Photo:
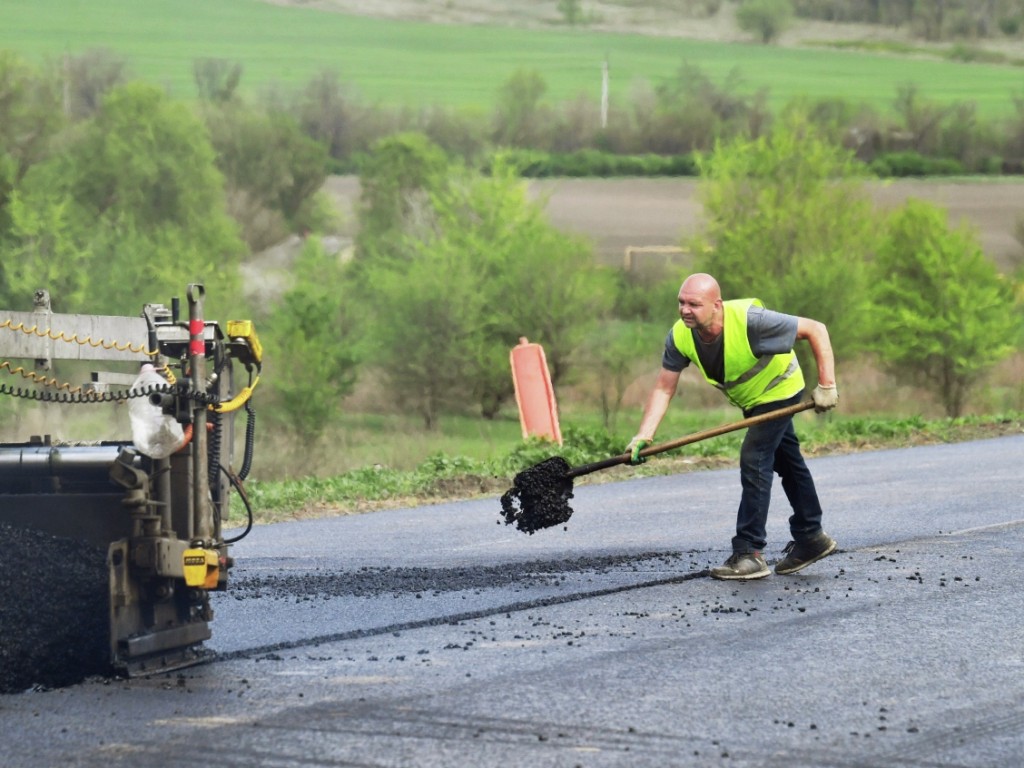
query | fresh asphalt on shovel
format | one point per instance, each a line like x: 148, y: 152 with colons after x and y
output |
x: 539, y: 496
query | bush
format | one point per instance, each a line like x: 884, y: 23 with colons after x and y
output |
x: 991, y: 166
x: 974, y: 54
x: 765, y: 18
x: 944, y: 314
x: 580, y: 445
x: 594, y: 163
x: 1010, y: 25
x: 903, y: 164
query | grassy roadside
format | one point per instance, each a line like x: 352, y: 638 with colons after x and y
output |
x: 445, y: 478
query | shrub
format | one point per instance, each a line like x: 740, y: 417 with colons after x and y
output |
x: 765, y: 18
x: 974, y: 54
x: 535, y: 164
x: 580, y: 445
x: 943, y: 314
x: 903, y: 164
x: 1010, y: 25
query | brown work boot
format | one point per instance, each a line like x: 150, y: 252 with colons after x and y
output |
x: 800, y: 554
x: 742, y: 565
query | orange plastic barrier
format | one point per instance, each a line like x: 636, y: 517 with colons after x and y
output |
x: 538, y: 411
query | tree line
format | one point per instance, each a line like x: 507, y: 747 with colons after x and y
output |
x: 929, y: 20
x: 140, y: 194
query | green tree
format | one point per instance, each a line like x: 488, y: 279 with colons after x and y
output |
x: 765, y: 18
x: 47, y: 247
x: 216, y: 80
x: 788, y: 221
x: 396, y: 180
x: 253, y: 171
x: 30, y: 115
x: 136, y: 196
x: 473, y: 266
x: 520, y: 117
x: 571, y: 10
x: 922, y: 119
x: 929, y: 18
x: 425, y: 329
x: 618, y: 351
x: 88, y: 78
x: 537, y: 282
x: 692, y: 111
x: 326, y: 112
x: 273, y: 171
x: 310, y: 337
x: 34, y: 248
x: 942, y: 314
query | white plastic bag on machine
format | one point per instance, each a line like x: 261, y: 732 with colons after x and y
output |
x: 154, y: 433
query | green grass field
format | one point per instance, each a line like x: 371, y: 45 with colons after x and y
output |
x: 398, y: 63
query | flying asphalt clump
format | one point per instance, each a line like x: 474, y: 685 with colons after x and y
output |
x: 539, y: 496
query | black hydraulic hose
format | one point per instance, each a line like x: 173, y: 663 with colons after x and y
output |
x: 248, y: 507
x: 213, y: 446
x: 250, y: 441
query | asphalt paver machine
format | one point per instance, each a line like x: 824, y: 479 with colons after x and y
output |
x: 154, y: 501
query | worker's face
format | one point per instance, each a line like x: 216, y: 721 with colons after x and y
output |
x: 697, y: 308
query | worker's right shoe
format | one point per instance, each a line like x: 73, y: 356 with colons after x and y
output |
x: 800, y: 554
x: 742, y: 565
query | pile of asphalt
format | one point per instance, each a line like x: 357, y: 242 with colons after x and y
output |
x: 539, y: 496
x: 53, y: 611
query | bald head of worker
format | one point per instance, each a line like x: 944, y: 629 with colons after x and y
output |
x: 700, y: 305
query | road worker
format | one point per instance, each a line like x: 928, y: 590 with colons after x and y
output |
x: 746, y: 351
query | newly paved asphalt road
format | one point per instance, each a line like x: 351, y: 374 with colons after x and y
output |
x: 436, y: 637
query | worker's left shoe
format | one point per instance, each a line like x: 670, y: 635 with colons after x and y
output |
x: 742, y: 565
x: 800, y: 554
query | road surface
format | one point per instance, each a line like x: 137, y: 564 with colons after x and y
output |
x: 436, y: 636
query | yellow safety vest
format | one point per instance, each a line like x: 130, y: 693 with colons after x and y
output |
x: 749, y: 380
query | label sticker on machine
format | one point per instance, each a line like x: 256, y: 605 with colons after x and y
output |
x: 201, y: 568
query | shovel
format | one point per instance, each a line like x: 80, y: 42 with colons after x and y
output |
x: 539, y: 496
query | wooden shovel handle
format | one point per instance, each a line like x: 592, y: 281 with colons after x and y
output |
x: 696, y: 437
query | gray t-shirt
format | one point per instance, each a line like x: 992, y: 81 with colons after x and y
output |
x: 769, y: 333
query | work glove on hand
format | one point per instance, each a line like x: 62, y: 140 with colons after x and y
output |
x: 636, y: 445
x: 825, y: 398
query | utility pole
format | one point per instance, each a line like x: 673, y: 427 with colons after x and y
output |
x: 65, y: 86
x: 604, y: 93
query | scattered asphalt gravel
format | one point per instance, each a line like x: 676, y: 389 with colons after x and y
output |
x: 375, y: 581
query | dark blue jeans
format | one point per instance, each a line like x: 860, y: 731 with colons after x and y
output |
x: 773, y: 448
